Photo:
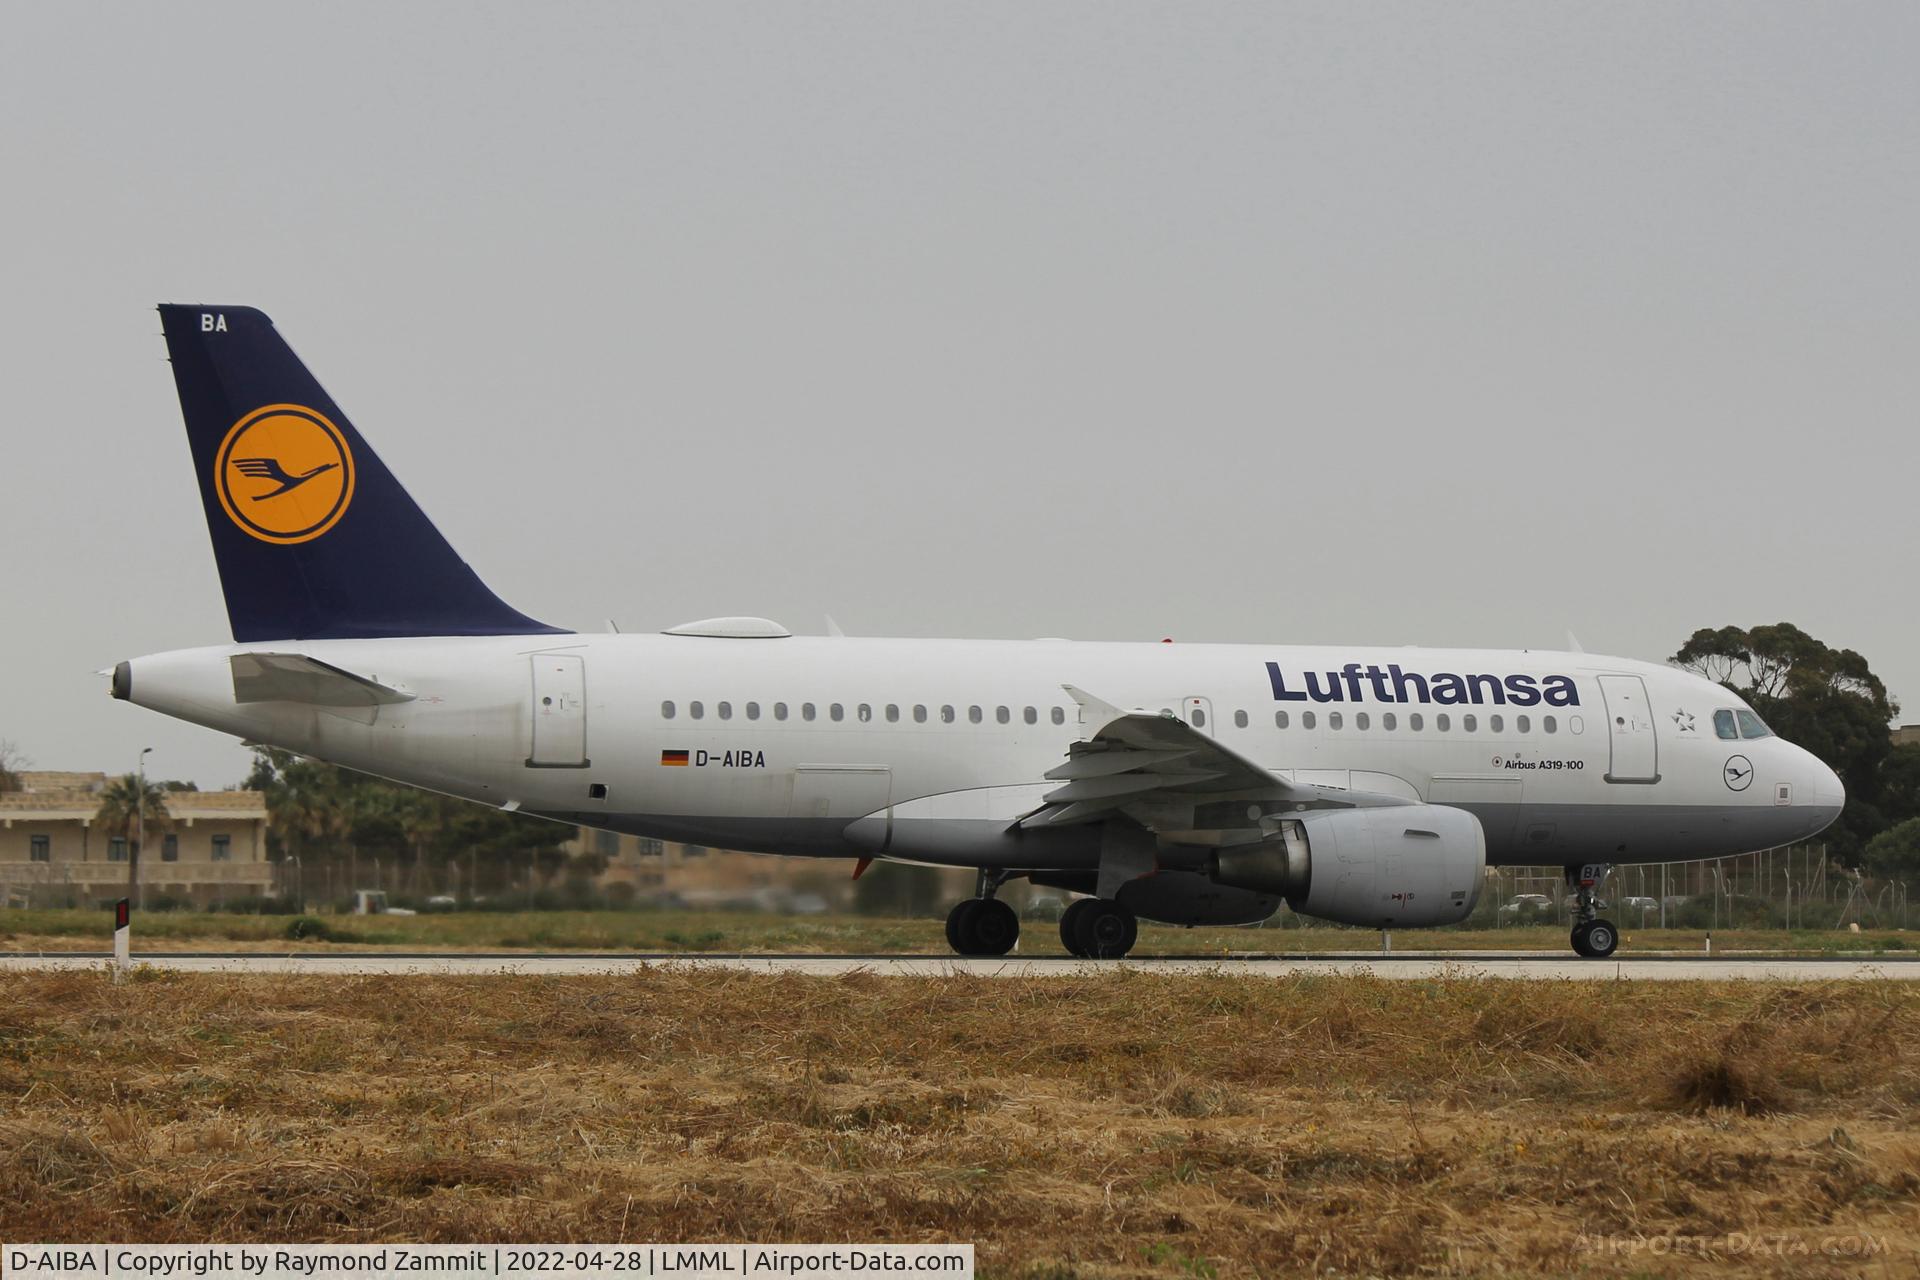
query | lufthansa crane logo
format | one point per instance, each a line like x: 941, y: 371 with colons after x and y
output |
x: 284, y: 474
x: 1738, y: 772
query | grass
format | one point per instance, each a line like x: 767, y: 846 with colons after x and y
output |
x: 1126, y: 1124
x: 698, y: 931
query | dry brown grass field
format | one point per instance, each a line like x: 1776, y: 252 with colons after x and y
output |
x: 1120, y: 1124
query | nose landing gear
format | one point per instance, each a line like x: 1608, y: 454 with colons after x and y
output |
x: 1593, y: 937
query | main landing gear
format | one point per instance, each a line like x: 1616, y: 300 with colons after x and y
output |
x: 1593, y: 937
x: 983, y: 926
x: 1098, y: 929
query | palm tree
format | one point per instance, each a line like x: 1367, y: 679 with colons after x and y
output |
x: 120, y: 812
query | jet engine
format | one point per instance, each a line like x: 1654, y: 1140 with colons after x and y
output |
x: 1410, y: 865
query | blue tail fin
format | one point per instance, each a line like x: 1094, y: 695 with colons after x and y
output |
x: 314, y: 537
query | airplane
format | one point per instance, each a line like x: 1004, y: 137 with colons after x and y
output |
x: 1182, y: 783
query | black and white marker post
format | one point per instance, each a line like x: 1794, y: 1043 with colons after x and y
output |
x: 122, y: 937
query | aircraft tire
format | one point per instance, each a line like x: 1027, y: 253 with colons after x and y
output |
x: 1579, y: 939
x: 958, y: 921
x: 1070, y: 926
x: 1602, y: 939
x: 991, y: 930
x: 1106, y: 930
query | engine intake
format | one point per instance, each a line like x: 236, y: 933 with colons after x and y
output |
x: 1407, y: 865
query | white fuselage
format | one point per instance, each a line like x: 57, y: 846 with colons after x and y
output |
x: 928, y: 750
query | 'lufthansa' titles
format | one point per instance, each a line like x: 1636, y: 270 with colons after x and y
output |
x: 1354, y: 683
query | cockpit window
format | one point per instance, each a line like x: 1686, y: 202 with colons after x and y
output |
x: 1724, y: 726
x: 1752, y: 726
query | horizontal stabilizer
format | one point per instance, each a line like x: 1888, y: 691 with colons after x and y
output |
x: 294, y: 677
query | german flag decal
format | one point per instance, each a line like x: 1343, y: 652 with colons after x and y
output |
x: 674, y: 758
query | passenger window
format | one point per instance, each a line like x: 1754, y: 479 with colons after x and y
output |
x: 1495, y: 723
x: 865, y: 712
x: 919, y: 713
x: 1576, y: 724
x: 1239, y: 719
x: 1387, y: 721
x: 1752, y: 726
x: 893, y: 713
x: 753, y: 711
x: 696, y: 709
x: 1334, y: 719
x: 724, y: 710
x: 806, y: 711
x: 779, y: 711
x: 1523, y: 724
x: 946, y: 714
x: 1547, y: 723
x: 1443, y: 722
x: 1002, y: 715
x: 1416, y: 722
x: 1059, y: 715
x: 1280, y: 720
x: 1469, y: 723
x: 1360, y: 720
x: 666, y: 711
x: 1724, y: 727
x: 1306, y: 719
x: 837, y: 712
x: 973, y: 715
x: 1199, y: 718
x: 1030, y: 715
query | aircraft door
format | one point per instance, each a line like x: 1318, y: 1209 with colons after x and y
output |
x: 1198, y: 712
x: 559, y: 712
x: 1636, y: 749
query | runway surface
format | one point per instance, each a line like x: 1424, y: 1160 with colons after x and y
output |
x: 1406, y: 965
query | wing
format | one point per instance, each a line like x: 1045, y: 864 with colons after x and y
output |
x: 260, y: 468
x: 1181, y: 784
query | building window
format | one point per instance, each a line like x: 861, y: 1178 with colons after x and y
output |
x: 666, y: 710
x: 117, y: 849
x: 693, y: 851
x: 1279, y: 719
x: 223, y: 848
x: 606, y: 843
x: 650, y: 848
x: 40, y: 848
x: 170, y: 848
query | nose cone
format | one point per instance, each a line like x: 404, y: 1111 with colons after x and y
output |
x: 1825, y: 795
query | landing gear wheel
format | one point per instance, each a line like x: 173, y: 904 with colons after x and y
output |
x: 982, y: 927
x: 1580, y: 938
x: 1070, y: 926
x: 1602, y: 939
x: 1106, y: 930
x: 958, y: 921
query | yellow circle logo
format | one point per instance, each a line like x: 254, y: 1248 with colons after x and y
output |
x: 284, y: 474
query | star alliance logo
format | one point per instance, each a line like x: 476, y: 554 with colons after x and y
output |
x: 1685, y: 720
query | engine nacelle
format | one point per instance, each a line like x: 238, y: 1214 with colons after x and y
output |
x: 1410, y: 865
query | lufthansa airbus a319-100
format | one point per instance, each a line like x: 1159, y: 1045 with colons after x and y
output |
x: 1183, y: 783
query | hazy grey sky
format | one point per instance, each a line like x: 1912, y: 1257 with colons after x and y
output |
x: 1442, y: 324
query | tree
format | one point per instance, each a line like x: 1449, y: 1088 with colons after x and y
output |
x: 1894, y: 854
x: 12, y: 762
x: 1826, y: 700
x: 121, y: 812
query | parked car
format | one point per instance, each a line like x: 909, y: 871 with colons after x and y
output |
x: 443, y: 902
x: 1525, y: 908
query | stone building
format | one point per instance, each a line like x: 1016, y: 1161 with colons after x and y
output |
x: 52, y: 853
